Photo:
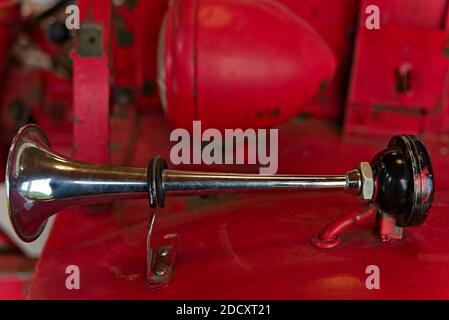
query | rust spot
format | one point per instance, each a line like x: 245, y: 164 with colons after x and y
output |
x: 399, y: 109
x: 149, y: 88
x: 120, y: 275
x: 446, y: 52
x: 132, y: 4
x: 56, y: 112
x: 275, y: 112
x: 323, y: 86
x: 125, y: 37
x: 303, y: 116
x: 114, y: 147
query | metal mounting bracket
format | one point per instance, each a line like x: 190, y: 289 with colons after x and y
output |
x: 160, y: 261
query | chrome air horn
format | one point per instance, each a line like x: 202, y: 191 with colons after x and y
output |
x: 40, y: 183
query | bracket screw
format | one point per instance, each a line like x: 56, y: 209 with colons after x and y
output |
x: 163, y: 252
x: 160, y: 270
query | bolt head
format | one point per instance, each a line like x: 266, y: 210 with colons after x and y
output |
x: 366, y: 174
x: 160, y: 271
x: 164, y: 252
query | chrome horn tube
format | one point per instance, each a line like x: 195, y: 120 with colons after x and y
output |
x: 41, y: 183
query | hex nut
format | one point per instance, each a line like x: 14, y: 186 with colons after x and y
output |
x: 367, y: 177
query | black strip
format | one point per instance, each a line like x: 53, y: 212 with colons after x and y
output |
x: 156, y: 193
x: 161, y: 165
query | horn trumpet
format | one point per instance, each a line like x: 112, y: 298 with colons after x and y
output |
x: 41, y: 183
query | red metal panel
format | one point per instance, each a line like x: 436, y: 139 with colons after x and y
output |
x: 147, y: 21
x: 9, y: 23
x: 135, y: 29
x: 335, y: 22
x: 92, y: 89
x: 12, y: 287
x: 9, y: 12
x: 374, y: 103
x: 123, y: 45
x: 41, y: 96
x: 15, y: 275
x: 409, y: 49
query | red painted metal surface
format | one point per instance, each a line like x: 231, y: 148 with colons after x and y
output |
x: 39, y: 96
x: 235, y: 56
x: 410, y: 47
x: 147, y: 23
x: 335, y: 22
x: 13, y: 287
x: 375, y: 103
x: 30, y: 92
x: 91, y: 85
x: 135, y: 33
x: 251, y: 246
x: 15, y: 275
x: 9, y: 13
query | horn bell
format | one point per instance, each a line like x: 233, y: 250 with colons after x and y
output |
x: 27, y: 219
x: 40, y: 183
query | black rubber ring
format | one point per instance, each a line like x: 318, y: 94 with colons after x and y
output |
x: 156, y: 193
x: 161, y: 165
x: 152, y: 193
